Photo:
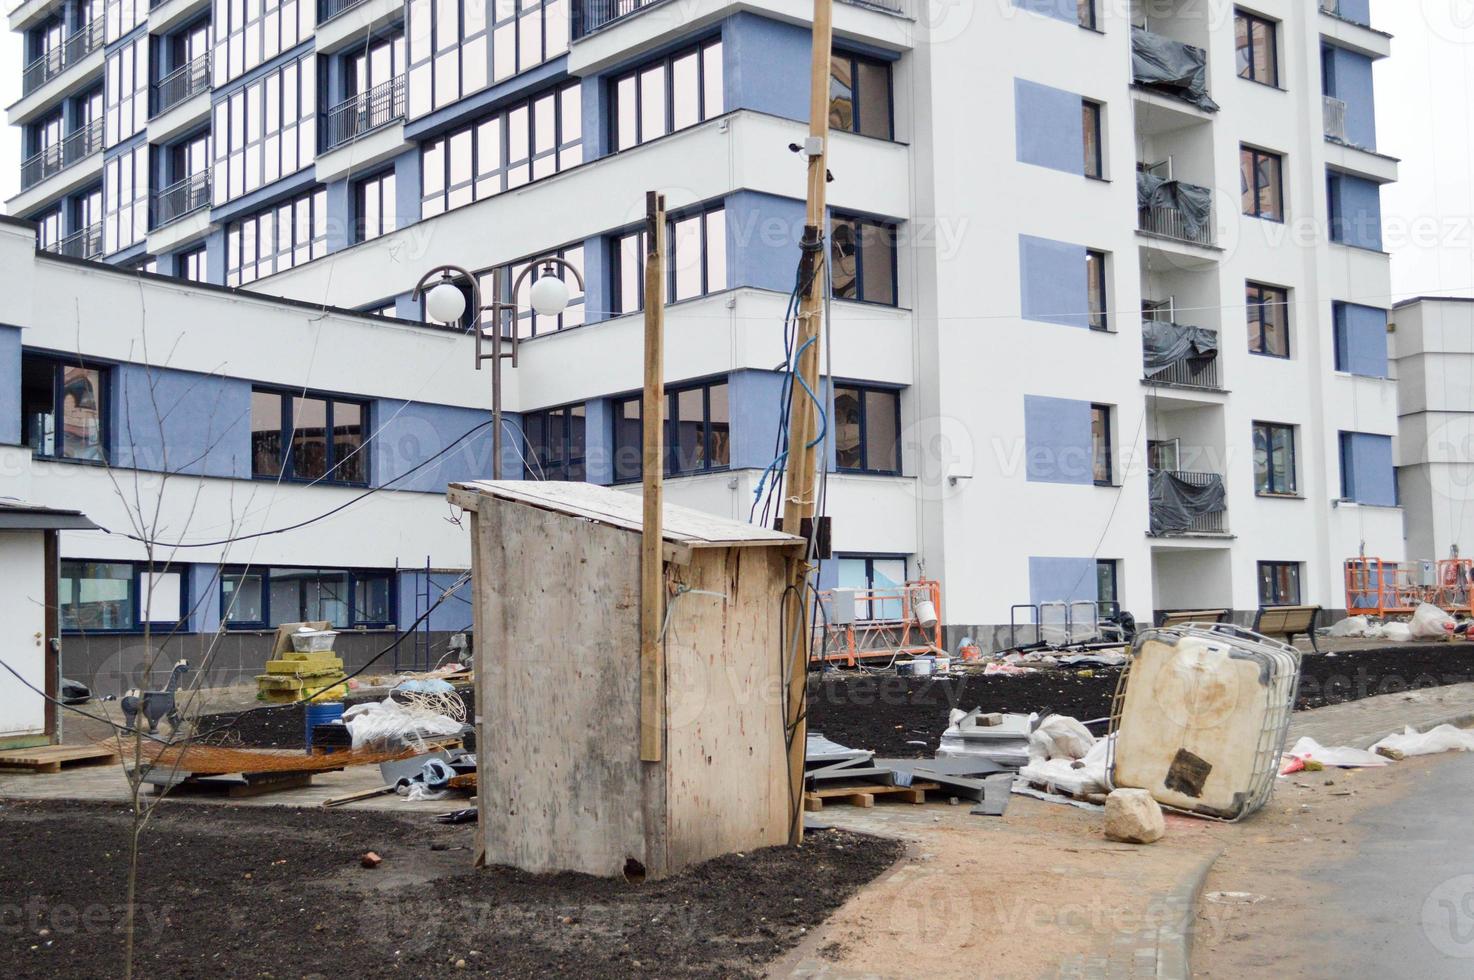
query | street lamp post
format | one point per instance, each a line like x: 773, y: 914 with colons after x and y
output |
x: 446, y: 303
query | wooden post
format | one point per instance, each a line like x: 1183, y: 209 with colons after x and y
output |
x: 799, y: 501
x: 652, y: 418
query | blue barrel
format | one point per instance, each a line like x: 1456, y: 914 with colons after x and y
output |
x: 321, y: 713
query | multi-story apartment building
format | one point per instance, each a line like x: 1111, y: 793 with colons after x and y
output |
x: 1107, y: 277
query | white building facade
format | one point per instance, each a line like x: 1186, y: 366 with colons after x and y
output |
x: 994, y: 424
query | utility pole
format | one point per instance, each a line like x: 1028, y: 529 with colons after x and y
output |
x: 799, y: 500
x: 652, y: 417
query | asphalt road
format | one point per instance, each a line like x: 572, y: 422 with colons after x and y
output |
x: 1402, y: 905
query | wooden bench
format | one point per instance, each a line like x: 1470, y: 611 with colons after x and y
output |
x: 1182, y: 617
x: 1287, y: 621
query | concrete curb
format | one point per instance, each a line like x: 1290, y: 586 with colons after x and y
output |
x: 1174, y: 939
x: 1464, y: 719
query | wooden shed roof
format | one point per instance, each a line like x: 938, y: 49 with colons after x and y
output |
x: 618, y: 508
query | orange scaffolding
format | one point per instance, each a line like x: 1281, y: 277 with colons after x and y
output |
x: 1377, y: 587
x: 885, y: 624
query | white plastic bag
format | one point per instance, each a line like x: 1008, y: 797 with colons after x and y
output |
x: 1336, y: 757
x: 389, y: 723
x: 1397, y: 632
x: 1080, y: 777
x: 1350, y: 626
x: 1444, y: 738
x: 1060, y: 737
x: 1430, y: 623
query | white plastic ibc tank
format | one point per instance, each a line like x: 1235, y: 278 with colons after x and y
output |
x: 1200, y: 718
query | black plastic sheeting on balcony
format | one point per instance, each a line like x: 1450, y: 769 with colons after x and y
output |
x: 1172, y: 67
x: 1194, y: 203
x: 1165, y: 345
x: 1180, y: 501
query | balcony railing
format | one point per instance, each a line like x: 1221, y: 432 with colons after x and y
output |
x: 180, y: 198
x: 1331, y: 7
x: 1335, y: 118
x: 328, y: 9
x: 59, y: 156
x: 1207, y: 515
x: 84, y: 244
x: 365, y: 112
x: 1174, y: 223
x: 182, y: 83
x: 590, y: 15
x: 62, y: 57
x: 1190, y: 372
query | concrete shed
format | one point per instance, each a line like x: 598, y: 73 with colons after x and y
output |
x: 30, y: 634
x: 557, y: 606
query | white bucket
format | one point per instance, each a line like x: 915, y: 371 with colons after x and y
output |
x: 942, y: 664
x: 919, y: 667
x: 926, y: 614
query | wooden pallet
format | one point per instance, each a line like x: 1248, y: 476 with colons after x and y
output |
x: 864, y: 794
x: 51, y: 758
x: 234, y: 785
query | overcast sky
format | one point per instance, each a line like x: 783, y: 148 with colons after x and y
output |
x: 1429, y: 214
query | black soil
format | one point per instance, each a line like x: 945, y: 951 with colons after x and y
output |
x: 279, y: 892
x: 905, y: 716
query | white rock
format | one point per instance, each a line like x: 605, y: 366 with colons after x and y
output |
x: 1132, y: 816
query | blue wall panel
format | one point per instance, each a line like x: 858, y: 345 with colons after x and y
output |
x: 410, y: 433
x: 340, y: 214
x: 1349, y: 77
x: 1356, y: 210
x: 1361, y: 340
x: 1057, y: 440
x: 755, y: 400
x: 765, y: 66
x: 1359, y: 11
x: 598, y: 453
x: 1367, y: 473
x: 1061, y: 579
x: 763, y: 233
x: 180, y: 421
x: 1058, y: 9
x: 1052, y: 282
x: 407, y: 188
x: 596, y: 279
x: 9, y: 385
x: 1048, y: 128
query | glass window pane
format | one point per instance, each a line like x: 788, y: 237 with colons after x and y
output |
x: 625, y: 113
x: 160, y: 596
x: 881, y: 435
x: 652, y: 103
x: 719, y: 424
x: 873, y: 79
x: 309, y: 438
x: 843, y: 258
x: 628, y: 440
x: 689, y: 427
x: 266, y: 426
x: 241, y: 597
x: 716, y: 250
x: 686, y: 257
x: 713, y: 102
x: 685, y: 91
x: 81, y: 413
x: 1246, y: 181
x: 849, y: 453
x: 1100, y: 443
x: 95, y: 595
x: 631, y: 273
x: 877, y: 265
x: 348, y: 458
x: 841, y: 93
x: 371, y: 600
x: 285, y: 592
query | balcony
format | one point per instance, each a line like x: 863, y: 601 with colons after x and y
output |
x: 364, y: 113
x: 592, y: 15
x: 1179, y: 355
x: 1184, y: 504
x: 1174, y: 209
x: 181, y: 84
x: 84, y: 244
x: 180, y: 198
x: 1163, y: 65
x: 59, y: 156
x: 1334, y: 113
x: 328, y: 9
x: 59, y: 59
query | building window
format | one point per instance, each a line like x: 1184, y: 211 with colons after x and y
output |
x: 1257, y: 41
x: 1095, y: 286
x: 311, y: 437
x: 696, y: 260
x: 1090, y: 117
x: 457, y: 47
x: 1268, y: 311
x: 265, y: 130
x: 555, y: 443
x: 344, y: 598
x: 1259, y: 173
x: 62, y: 409
x: 374, y: 206
x: 191, y: 266
x: 1274, y: 459
x: 860, y: 95
x: 868, y: 576
x: 529, y: 141
x: 249, y: 33
x: 698, y: 429
x: 276, y: 238
x: 1085, y: 11
x: 1108, y: 586
x: 867, y: 429
x: 96, y: 596
x: 863, y: 260
x: 529, y: 323
x: 666, y: 95
x: 126, y: 91
x: 48, y: 228
x: 125, y: 193
x: 1100, y: 445
x: 1279, y: 583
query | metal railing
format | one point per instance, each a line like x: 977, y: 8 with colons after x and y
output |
x: 1331, y: 7
x: 1214, y: 522
x: 84, y: 244
x: 63, y: 56
x: 590, y: 15
x: 1334, y: 112
x: 364, y: 112
x: 180, y: 198
x: 1192, y: 372
x: 182, y: 83
x: 1173, y: 223
x: 59, y: 156
x: 328, y: 9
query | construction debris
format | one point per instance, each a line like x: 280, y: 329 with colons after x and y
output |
x: 1444, y: 738
x: 1005, y: 743
x: 1132, y: 816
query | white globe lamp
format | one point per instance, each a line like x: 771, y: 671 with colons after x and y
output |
x: 445, y: 303
x: 549, y: 295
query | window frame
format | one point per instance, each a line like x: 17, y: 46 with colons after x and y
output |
x: 57, y: 365
x: 666, y: 64
x: 198, y: 258
x: 671, y: 421
x: 296, y: 251
x: 710, y: 283
x: 865, y: 609
x: 1267, y: 431
x: 1092, y: 117
x: 354, y: 577
x: 855, y: 60
x: 1271, y: 29
x: 862, y: 391
x: 1098, y: 319
x: 286, y: 467
x: 384, y: 185
x: 530, y: 323
x: 1086, y: 15
x: 1108, y: 568
x: 566, y: 463
x: 1258, y: 157
x: 858, y: 222
x: 1104, y: 412
x: 1275, y: 569
x: 135, y: 598
x: 1264, y: 297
